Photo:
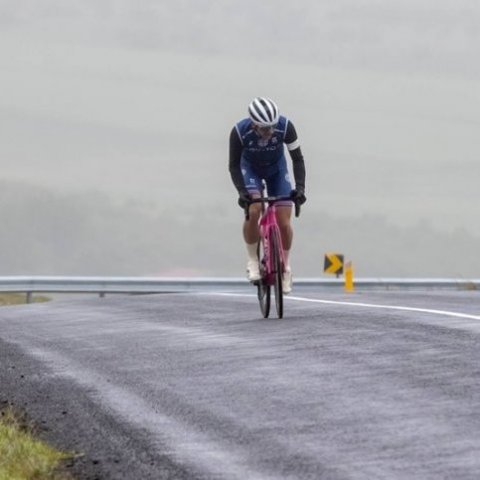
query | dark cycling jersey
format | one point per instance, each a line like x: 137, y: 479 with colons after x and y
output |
x: 264, y: 156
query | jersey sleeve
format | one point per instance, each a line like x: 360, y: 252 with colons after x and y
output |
x: 291, y: 138
x: 293, y: 146
x: 234, y: 160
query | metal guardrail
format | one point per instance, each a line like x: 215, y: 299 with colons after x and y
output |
x: 143, y: 285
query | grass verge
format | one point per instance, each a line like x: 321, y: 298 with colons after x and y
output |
x: 19, y: 298
x: 22, y: 456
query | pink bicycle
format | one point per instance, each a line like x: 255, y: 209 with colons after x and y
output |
x: 270, y: 254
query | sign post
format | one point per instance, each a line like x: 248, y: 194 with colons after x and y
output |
x: 349, y: 278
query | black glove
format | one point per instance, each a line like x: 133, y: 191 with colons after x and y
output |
x: 244, y: 199
x: 298, y: 195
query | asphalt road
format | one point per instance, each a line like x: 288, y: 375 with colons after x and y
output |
x: 373, y: 385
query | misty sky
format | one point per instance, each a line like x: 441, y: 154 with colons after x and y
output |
x: 136, y: 100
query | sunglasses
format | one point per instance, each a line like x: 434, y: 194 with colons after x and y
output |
x: 266, y: 129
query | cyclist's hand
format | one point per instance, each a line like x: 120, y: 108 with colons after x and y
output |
x: 298, y: 195
x: 244, y: 199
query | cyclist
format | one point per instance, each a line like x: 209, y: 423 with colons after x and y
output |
x: 256, y: 154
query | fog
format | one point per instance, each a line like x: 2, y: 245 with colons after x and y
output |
x: 115, y: 116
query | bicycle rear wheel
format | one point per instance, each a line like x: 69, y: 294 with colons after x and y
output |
x: 277, y: 265
x: 264, y: 298
x: 263, y: 291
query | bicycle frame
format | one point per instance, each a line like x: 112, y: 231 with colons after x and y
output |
x: 268, y: 230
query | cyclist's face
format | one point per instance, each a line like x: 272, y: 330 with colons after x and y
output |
x: 264, y: 132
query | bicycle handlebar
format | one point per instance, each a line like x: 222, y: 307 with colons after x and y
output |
x: 270, y: 201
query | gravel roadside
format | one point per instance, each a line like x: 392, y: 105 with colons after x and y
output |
x: 66, y: 417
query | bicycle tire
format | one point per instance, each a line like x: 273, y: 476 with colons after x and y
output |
x: 263, y: 290
x: 277, y: 265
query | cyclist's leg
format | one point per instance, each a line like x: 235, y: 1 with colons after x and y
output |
x: 284, y: 215
x: 253, y: 183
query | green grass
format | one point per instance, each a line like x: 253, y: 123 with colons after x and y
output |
x: 19, y: 298
x: 22, y: 457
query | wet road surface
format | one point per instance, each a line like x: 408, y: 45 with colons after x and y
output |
x: 362, y: 386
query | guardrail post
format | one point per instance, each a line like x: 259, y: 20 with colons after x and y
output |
x: 29, y: 297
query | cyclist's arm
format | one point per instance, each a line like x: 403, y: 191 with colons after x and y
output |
x: 236, y: 148
x: 293, y: 146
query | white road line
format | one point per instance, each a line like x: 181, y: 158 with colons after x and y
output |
x: 391, y: 307
x: 367, y: 305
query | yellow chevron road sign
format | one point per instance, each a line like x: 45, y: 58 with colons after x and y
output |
x: 333, y: 263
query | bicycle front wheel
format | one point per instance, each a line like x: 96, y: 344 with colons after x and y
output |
x: 263, y: 291
x: 277, y: 265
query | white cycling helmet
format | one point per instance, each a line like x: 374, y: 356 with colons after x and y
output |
x: 263, y: 112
